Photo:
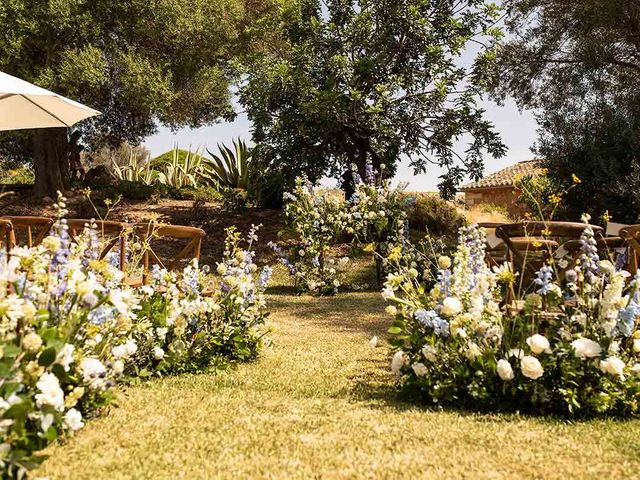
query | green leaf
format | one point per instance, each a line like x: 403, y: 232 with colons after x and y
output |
x: 47, y: 357
x: 394, y: 330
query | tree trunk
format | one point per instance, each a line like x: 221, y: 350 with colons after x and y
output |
x: 50, y: 161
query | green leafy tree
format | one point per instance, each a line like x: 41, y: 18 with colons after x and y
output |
x: 577, y: 64
x: 141, y: 63
x: 359, y: 80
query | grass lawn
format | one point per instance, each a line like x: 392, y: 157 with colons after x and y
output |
x: 319, y: 404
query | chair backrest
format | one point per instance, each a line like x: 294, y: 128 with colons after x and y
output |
x: 112, y: 233
x: 148, y: 232
x: 549, y: 234
x: 32, y: 229
x: 631, y: 235
x: 7, y: 235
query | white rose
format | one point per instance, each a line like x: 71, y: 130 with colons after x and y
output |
x: 429, y: 352
x: 158, y: 353
x: 635, y: 369
x: 531, y: 368
x: 538, y: 344
x: 636, y: 345
x: 451, y: 306
x: 613, y: 366
x: 504, y: 370
x: 586, y: 348
x: 419, y: 369
x: 398, y: 361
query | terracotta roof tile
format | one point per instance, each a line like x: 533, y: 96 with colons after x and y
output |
x: 506, y: 177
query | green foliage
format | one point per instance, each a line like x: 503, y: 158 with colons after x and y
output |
x: 140, y: 63
x: 18, y: 174
x: 231, y: 168
x: 373, y: 80
x: 576, y: 63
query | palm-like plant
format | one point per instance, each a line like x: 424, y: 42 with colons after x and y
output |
x: 230, y: 169
x: 183, y: 170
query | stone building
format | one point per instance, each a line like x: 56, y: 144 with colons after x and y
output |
x: 499, y: 188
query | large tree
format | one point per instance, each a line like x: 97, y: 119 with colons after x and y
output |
x: 140, y: 62
x: 371, y: 80
x: 577, y: 64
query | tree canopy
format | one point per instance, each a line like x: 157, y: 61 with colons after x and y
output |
x: 577, y: 63
x: 373, y: 80
x: 140, y: 62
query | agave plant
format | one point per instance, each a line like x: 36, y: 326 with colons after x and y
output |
x: 136, y: 170
x: 230, y: 169
x: 184, y: 170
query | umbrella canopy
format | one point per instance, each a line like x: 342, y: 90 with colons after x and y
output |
x: 24, y: 105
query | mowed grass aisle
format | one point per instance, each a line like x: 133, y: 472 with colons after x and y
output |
x: 318, y: 404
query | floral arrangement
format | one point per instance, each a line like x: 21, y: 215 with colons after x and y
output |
x: 317, y: 221
x: 70, y: 329
x: 570, y: 345
x: 375, y: 218
x: 378, y: 216
x: 190, y: 320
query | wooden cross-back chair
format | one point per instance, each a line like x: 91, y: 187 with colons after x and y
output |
x: 30, y: 229
x: 111, y: 233
x: 530, y: 244
x: 7, y: 235
x: 631, y: 235
x: 149, y: 232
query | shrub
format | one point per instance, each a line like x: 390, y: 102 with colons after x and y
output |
x: 569, y: 346
x: 437, y: 216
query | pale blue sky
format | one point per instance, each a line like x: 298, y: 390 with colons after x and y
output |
x: 518, y: 131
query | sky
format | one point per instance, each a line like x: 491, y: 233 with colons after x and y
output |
x: 517, y: 129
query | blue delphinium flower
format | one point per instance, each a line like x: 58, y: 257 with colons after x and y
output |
x: 589, y: 258
x: 627, y: 319
x: 543, y: 280
x: 444, y: 279
x: 265, y: 276
x: 369, y: 174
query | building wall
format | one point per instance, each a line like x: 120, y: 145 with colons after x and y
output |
x: 506, y: 197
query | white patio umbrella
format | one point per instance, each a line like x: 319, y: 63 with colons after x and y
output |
x: 24, y: 106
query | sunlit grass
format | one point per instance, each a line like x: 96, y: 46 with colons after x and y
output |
x: 320, y: 404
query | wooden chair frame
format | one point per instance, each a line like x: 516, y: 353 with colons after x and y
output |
x: 105, y: 227
x: 7, y: 234
x: 150, y: 231
x: 28, y: 224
